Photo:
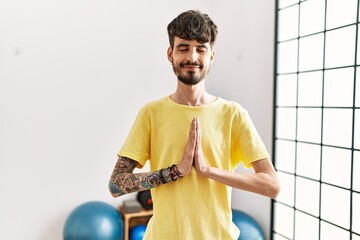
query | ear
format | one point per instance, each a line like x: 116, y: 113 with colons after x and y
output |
x: 212, y: 55
x: 169, y: 54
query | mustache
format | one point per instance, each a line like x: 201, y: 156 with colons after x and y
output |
x: 188, y: 63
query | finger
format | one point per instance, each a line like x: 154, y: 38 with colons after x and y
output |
x: 192, y: 135
x: 192, y: 127
x: 194, y: 124
x: 197, y: 122
x: 198, y: 129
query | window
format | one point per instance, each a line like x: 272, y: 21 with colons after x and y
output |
x: 317, y: 120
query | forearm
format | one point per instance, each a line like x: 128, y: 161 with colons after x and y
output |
x: 259, y: 182
x: 124, y: 181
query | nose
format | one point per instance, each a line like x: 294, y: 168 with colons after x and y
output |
x: 193, y: 56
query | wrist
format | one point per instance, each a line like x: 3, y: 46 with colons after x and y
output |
x: 184, y: 170
x: 165, y: 175
x: 177, y: 171
x: 205, y: 171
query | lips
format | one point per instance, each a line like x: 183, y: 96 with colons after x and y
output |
x: 190, y: 65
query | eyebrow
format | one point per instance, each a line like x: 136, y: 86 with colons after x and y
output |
x: 182, y: 45
x: 187, y: 45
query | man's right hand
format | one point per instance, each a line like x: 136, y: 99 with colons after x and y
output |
x: 187, y: 160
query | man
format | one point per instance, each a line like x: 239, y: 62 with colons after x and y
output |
x: 194, y: 141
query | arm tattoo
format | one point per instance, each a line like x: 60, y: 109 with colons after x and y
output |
x: 124, y: 181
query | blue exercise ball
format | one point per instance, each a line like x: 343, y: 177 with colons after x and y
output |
x: 137, y: 232
x: 249, y: 228
x: 94, y: 221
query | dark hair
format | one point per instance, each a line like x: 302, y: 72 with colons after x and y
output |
x: 192, y: 25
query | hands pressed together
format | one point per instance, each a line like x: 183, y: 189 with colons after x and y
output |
x: 193, y: 155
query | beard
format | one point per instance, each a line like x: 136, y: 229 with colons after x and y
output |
x: 190, y: 77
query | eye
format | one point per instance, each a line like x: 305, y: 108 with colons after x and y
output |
x: 201, y: 49
x: 183, y: 49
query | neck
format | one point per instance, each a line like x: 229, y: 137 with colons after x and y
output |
x: 192, y: 95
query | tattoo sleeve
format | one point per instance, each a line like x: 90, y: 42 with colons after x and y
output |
x: 124, y: 181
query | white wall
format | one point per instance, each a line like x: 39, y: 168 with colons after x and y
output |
x: 73, y: 75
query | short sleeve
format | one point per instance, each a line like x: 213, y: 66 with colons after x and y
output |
x: 137, y: 144
x: 247, y: 146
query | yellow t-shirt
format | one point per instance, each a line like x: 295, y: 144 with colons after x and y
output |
x: 193, y: 207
